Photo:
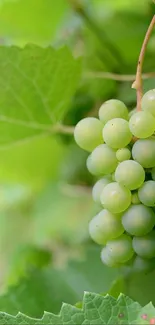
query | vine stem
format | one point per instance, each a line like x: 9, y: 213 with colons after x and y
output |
x: 116, y: 76
x: 63, y: 129
x: 138, y: 84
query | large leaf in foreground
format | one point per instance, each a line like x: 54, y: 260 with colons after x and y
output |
x: 36, y: 87
x: 96, y: 310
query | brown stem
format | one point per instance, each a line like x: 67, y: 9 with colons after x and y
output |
x: 138, y: 84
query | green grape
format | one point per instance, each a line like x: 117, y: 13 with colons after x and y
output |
x: 133, y: 111
x: 142, y: 124
x: 111, y: 109
x: 106, y: 259
x: 105, y: 226
x: 116, y: 133
x: 123, y: 154
x: 148, y: 102
x: 145, y: 246
x: 120, y: 249
x: 138, y: 220
x: 88, y: 133
x: 146, y: 193
x: 102, y: 160
x: 130, y: 174
x: 135, y: 198
x: 127, y: 267
x: 115, y: 197
x: 143, y: 151
x: 90, y: 166
x: 143, y: 265
x: 153, y: 173
x: 98, y: 188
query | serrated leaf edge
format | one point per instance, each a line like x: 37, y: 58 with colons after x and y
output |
x: 64, y: 305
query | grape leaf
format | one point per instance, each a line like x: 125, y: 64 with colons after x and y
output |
x: 26, y: 258
x: 136, y: 286
x: 32, y: 163
x: 66, y: 215
x: 38, y: 289
x: 36, y: 87
x: 96, y: 310
x: 139, y: 287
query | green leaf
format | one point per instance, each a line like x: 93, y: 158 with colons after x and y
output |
x: 46, y: 289
x: 33, y: 163
x: 66, y: 214
x: 96, y: 310
x: 30, y: 21
x: 117, y: 286
x: 139, y: 287
x: 36, y: 87
x: 26, y: 258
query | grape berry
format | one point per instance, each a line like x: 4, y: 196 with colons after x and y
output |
x: 125, y: 189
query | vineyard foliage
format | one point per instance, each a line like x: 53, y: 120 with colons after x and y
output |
x: 59, y: 61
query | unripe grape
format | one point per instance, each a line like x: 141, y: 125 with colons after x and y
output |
x: 123, y: 154
x: 88, y: 133
x: 127, y: 267
x: 138, y: 220
x: 120, y: 249
x: 143, y: 151
x: 146, y: 193
x: 148, y: 102
x: 106, y: 259
x: 98, y: 188
x: 105, y: 226
x: 143, y: 265
x: 142, y: 124
x: 133, y: 111
x: 116, y: 133
x: 111, y: 109
x: 102, y: 160
x: 130, y: 174
x: 115, y: 197
x: 145, y: 246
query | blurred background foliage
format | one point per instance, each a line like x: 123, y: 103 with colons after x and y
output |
x: 45, y: 189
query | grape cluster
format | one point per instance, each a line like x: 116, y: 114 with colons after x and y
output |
x: 122, y: 156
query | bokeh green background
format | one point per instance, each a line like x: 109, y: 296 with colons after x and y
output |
x: 45, y: 189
